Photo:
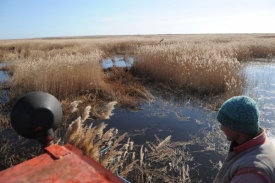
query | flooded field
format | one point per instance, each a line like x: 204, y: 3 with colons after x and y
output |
x: 169, y: 115
x: 185, y: 120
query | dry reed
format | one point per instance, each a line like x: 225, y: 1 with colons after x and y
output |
x: 92, y: 140
x: 61, y: 75
x: 202, y: 68
x: 164, y: 161
x: 70, y: 69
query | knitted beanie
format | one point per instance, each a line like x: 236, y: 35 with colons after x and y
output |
x: 240, y: 114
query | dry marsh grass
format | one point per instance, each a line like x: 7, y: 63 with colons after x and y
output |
x: 204, y: 68
x: 92, y: 140
x: 70, y: 69
x: 202, y: 65
x: 62, y: 76
x: 200, y: 69
x: 133, y: 91
x: 161, y: 161
x: 67, y: 69
x: 4, y: 120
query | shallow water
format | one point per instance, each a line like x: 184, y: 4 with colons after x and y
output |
x: 178, y: 118
x: 4, y: 76
x: 261, y: 87
x: 117, y: 61
x: 182, y: 119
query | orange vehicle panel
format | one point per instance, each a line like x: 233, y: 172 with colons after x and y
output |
x: 57, y: 165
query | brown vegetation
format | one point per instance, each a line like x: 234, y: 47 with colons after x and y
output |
x: 162, y: 161
x: 204, y: 66
x: 70, y: 68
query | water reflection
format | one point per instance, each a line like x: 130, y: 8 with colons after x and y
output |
x: 261, y: 86
x: 4, y: 76
x: 117, y: 61
x: 162, y: 119
x: 171, y: 116
x: 183, y: 119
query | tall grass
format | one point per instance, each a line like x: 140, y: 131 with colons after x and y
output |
x: 162, y: 161
x: 203, y: 65
x: 60, y: 75
x: 200, y: 68
x: 70, y: 69
x: 93, y: 141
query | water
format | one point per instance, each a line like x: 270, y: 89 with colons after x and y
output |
x: 4, y: 76
x: 181, y: 121
x: 179, y: 118
x: 117, y: 61
x: 184, y: 119
x: 162, y: 119
x: 261, y: 87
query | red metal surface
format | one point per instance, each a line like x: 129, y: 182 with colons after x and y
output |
x: 59, y: 164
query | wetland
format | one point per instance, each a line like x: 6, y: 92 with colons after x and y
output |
x: 167, y: 95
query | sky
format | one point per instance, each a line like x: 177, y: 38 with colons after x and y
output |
x: 20, y: 19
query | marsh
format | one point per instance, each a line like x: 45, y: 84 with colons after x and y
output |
x: 170, y: 91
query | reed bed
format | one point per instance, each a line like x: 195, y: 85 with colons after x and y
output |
x: 203, y: 69
x: 58, y: 74
x: 92, y: 140
x: 202, y: 65
x: 70, y: 69
x: 162, y: 161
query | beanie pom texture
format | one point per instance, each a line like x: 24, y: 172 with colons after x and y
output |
x: 240, y: 114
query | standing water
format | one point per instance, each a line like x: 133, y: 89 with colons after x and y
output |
x: 4, y: 76
x: 183, y: 119
x: 261, y: 87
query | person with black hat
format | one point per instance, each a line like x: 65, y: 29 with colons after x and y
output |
x: 251, y: 156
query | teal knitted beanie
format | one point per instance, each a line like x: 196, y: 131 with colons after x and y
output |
x: 240, y: 114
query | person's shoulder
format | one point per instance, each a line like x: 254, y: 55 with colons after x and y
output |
x: 250, y: 176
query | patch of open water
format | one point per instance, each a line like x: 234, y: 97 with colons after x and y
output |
x: 182, y: 119
x: 163, y: 118
x: 117, y: 61
x: 166, y: 117
x: 261, y: 86
x: 3, y: 77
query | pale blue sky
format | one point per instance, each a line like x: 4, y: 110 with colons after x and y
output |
x: 53, y: 18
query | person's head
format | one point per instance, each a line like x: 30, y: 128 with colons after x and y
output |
x: 239, y: 115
